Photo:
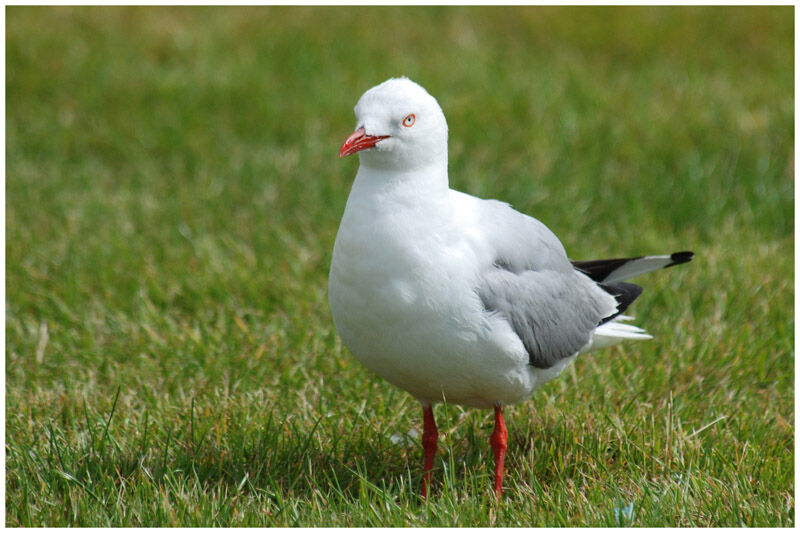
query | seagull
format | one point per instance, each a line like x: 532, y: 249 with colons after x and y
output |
x: 456, y: 298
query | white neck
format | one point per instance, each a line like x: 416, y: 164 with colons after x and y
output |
x: 421, y: 185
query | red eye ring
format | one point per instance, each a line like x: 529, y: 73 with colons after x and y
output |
x: 409, y: 120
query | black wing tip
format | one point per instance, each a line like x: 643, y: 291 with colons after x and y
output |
x: 625, y: 293
x: 679, y: 258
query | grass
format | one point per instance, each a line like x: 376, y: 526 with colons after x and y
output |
x: 172, y: 198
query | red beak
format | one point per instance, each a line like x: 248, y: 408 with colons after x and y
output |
x: 359, y: 140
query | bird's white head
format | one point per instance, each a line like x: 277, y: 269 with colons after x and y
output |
x: 399, y: 126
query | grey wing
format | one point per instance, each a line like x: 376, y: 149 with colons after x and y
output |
x: 520, y: 242
x: 551, y: 307
x: 553, y: 313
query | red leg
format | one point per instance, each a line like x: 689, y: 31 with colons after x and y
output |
x: 430, y: 436
x: 499, y: 440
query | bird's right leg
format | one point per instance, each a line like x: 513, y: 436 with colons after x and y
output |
x: 430, y: 437
x: 499, y: 442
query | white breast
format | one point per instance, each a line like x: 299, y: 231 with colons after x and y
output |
x: 402, y: 294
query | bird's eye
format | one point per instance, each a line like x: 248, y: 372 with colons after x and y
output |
x: 409, y: 120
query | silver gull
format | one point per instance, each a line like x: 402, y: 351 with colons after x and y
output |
x: 455, y: 298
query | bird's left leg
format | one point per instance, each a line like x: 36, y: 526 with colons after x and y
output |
x: 430, y: 437
x: 499, y: 440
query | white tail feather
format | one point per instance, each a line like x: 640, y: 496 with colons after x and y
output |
x: 614, y: 332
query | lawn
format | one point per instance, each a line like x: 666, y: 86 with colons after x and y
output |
x: 172, y: 198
